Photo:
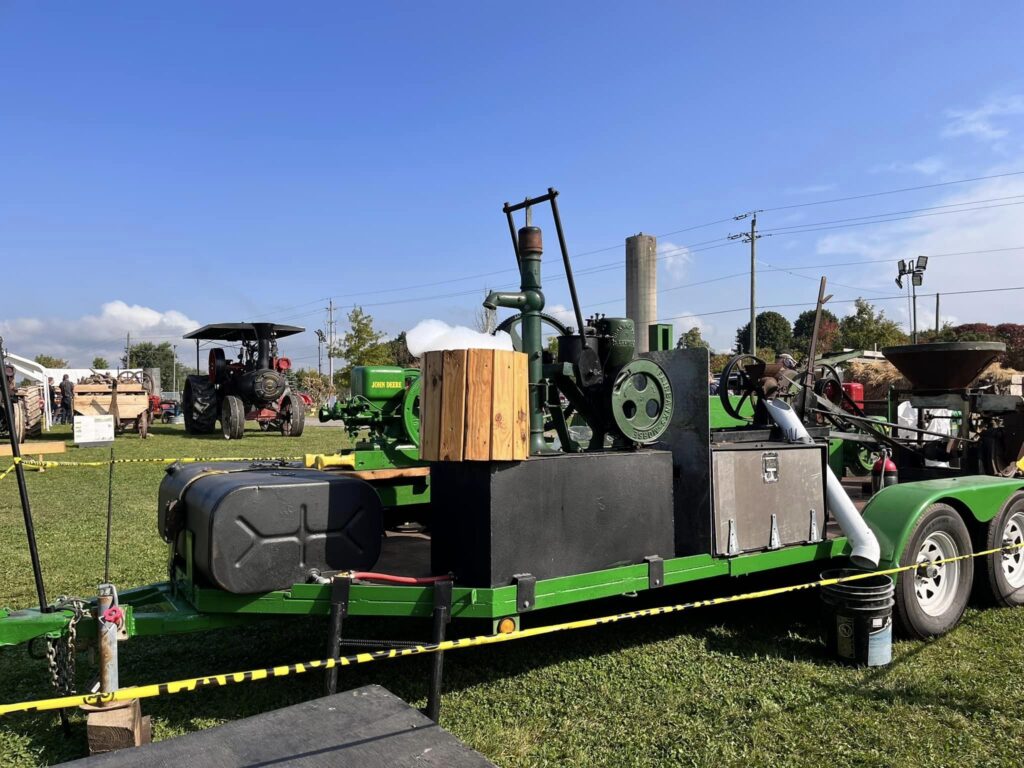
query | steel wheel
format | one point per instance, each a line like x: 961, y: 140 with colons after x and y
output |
x: 935, y: 580
x: 1001, y: 576
x: 931, y: 598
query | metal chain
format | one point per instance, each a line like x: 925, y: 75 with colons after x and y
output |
x: 61, y: 651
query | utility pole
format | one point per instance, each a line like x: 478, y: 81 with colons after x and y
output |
x: 936, y: 316
x: 330, y: 342
x: 751, y: 237
x: 128, y: 350
x: 915, y: 271
x: 320, y: 338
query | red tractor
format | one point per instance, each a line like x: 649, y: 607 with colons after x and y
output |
x: 253, y: 387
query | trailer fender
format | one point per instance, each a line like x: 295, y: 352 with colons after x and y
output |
x: 892, y: 512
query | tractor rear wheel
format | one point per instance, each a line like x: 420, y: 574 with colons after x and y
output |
x: 931, y: 599
x: 293, y: 416
x: 232, y: 418
x: 1001, y: 576
x: 199, y: 405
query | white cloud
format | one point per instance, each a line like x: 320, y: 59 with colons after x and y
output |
x: 979, y: 123
x: 673, y: 260
x: 562, y: 314
x: 80, y: 339
x: 928, y: 166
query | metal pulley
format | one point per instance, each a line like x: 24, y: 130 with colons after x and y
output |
x: 641, y: 401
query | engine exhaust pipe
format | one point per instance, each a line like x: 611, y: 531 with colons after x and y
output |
x: 865, y: 552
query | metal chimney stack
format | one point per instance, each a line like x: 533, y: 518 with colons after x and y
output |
x: 642, y: 286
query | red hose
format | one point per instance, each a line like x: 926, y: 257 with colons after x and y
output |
x: 371, y: 576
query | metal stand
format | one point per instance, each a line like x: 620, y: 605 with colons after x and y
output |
x: 442, y: 616
x: 340, y: 588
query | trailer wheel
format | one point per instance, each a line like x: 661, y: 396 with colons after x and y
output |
x: 931, y: 599
x: 199, y: 405
x: 232, y: 418
x: 1001, y: 576
x: 293, y: 417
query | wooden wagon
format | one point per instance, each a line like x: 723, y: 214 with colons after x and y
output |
x: 127, y: 401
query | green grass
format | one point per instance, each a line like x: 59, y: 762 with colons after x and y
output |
x: 744, y: 685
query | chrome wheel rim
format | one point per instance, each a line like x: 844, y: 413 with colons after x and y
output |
x: 1013, y: 560
x: 936, y: 579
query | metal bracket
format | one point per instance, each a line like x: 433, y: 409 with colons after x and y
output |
x: 655, y: 571
x: 774, y: 542
x: 526, y: 591
x: 340, y: 587
x: 734, y: 547
x: 443, y: 599
x: 815, y: 535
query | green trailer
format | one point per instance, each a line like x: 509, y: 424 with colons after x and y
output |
x: 663, y: 490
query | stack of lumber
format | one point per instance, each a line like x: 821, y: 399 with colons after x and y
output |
x: 32, y: 398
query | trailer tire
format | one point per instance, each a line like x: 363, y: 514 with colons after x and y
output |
x: 930, y: 601
x: 293, y: 416
x: 232, y: 418
x: 199, y: 405
x: 1000, y: 577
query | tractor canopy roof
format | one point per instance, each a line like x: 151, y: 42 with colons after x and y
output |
x: 242, y: 331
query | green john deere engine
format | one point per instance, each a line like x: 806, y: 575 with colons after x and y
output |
x: 385, y: 400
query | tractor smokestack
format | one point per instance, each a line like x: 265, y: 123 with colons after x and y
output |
x: 865, y: 553
x: 264, y: 332
x: 642, y: 286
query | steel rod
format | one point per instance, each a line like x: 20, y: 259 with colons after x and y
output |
x: 552, y: 193
x: 19, y: 471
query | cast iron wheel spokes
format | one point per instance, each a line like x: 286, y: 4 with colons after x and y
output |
x: 748, y: 383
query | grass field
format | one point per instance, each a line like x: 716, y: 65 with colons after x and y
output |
x: 743, y: 685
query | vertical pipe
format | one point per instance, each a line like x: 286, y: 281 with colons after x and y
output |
x: 913, y: 291
x: 565, y: 262
x: 19, y: 472
x: 107, y: 641
x: 530, y: 249
x: 340, y: 587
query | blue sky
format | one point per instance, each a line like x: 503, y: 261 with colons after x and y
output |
x: 165, y: 166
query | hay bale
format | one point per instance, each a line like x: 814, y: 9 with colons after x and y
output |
x: 878, y: 375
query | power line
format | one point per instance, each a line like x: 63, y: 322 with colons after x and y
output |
x: 894, y: 191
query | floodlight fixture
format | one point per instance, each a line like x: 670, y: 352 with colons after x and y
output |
x: 917, y: 278
x: 899, y: 281
x: 903, y: 266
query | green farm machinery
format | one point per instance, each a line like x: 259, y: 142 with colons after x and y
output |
x: 654, y: 493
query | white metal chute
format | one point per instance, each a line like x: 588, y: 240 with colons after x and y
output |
x: 865, y: 550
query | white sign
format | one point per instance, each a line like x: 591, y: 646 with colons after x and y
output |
x: 93, y: 431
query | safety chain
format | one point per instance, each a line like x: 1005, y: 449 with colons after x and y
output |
x: 61, y: 652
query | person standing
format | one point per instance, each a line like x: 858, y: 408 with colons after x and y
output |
x: 67, y: 400
x: 52, y: 389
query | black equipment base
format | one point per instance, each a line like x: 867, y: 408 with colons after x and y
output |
x: 549, y: 516
x: 367, y: 727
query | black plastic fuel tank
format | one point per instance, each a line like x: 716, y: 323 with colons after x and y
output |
x: 257, y: 528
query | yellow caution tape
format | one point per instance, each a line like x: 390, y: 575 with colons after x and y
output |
x: 108, y: 462
x: 214, y: 681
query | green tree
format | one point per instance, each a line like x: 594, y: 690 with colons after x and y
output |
x: 48, y: 361
x: 773, y: 331
x: 146, y: 354
x: 100, y: 362
x: 692, y: 340
x: 828, y: 332
x: 869, y: 329
x: 361, y: 345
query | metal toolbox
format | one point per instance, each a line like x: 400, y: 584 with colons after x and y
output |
x: 767, y: 495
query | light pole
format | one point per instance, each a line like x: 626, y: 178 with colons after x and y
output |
x: 174, y: 368
x: 916, y: 272
x: 320, y: 339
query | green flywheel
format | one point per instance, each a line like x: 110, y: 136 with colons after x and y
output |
x: 411, y: 412
x: 642, y: 401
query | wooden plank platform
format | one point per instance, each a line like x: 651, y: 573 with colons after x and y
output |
x: 368, y: 727
x: 36, y: 447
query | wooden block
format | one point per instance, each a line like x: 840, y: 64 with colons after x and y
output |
x: 115, y: 726
x: 502, y: 407
x: 35, y: 447
x: 453, y: 405
x: 389, y: 474
x: 521, y: 408
x: 479, y: 398
x: 430, y: 406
